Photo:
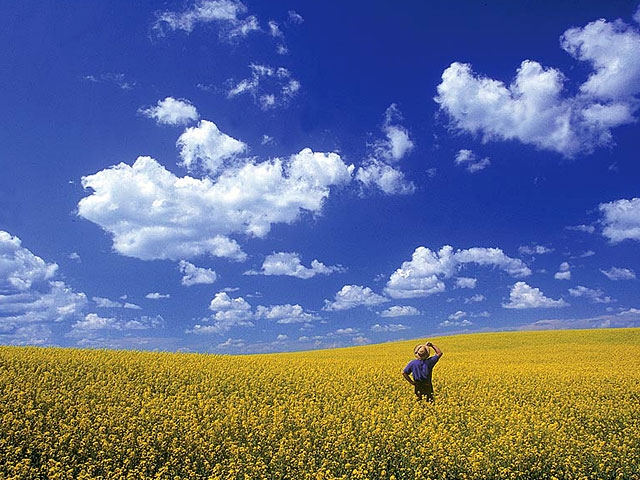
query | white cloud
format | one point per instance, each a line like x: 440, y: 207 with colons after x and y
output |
x: 289, y: 263
x: 636, y: 15
x: 621, y: 220
x: 535, y: 110
x: 295, y: 17
x: 351, y: 296
x: 466, y: 282
x: 274, y: 29
x: 222, y: 302
x: 153, y: 214
x: 206, y: 148
x: 29, y: 295
x: 196, y: 275
x: 387, y: 178
x: 157, y: 296
x: 19, y: 268
x: 270, y: 87
x: 524, y: 296
x: 596, y: 296
x: 582, y: 228
x: 226, y: 13
x: 469, y: 160
x: 75, y: 256
x: 232, y: 343
x: 93, y: 321
x: 475, y: 298
x: 534, y: 249
x: 460, y: 314
x: 399, y: 311
x: 391, y: 327
x: 423, y: 275
x: 377, y: 171
x: 453, y: 323
x: 118, y: 79
x: 106, y: 303
x: 617, y: 273
x: 564, y: 272
x: 266, y: 140
x: 131, y: 306
x: 171, y: 111
x: 285, y: 314
x: 228, y: 313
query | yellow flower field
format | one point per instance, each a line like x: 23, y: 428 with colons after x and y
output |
x: 562, y: 404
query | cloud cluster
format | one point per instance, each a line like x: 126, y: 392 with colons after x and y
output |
x: 524, y: 296
x: 469, y: 160
x: 595, y: 296
x: 193, y: 275
x: 153, y: 214
x: 229, y: 15
x: 399, y: 311
x: 30, y: 298
x: 290, y: 264
x: 270, y: 87
x: 618, y: 273
x: 171, y: 111
x: 621, y: 220
x: 534, y: 109
x: 564, y: 272
x: 380, y: 171
x: 236, y: 312
x: 423, y: 275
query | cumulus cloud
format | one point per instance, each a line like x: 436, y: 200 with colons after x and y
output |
x: 157, y: 296
x: 455, y: 323
x: 617, y: 273
x: 466, y: 282
x: 475, y: 298
x: 30, y: 295
x: 228, y: 313
x: 524, y: 296
x: 195, y: 275
x: 153, y: 214
x: 206, y: 148
x: 290, y: 264
x: 564, y: 272
x: 270, y: 87
x: 469, y: 160
x: 534, y: 109
x: 171, y: 111
x: 595, y: 296
x: 229, y: 15
x: 621, y: 220
x: 285, y: 314
x: 351, y: 296
x: 103, y: 302
x: 92, y: 323
x: 534, y: 250
x: 399, y: 311
x: 390, y: 327
x: 423, y: 275
x: 378, y: 171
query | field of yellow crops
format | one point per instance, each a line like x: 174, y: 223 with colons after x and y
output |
x: 563, y: 404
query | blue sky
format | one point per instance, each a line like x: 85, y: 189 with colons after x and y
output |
x: 229, y: 177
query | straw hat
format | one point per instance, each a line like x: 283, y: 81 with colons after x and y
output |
x: 421, y: 351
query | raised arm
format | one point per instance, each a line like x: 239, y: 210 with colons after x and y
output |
x: 438, y: 351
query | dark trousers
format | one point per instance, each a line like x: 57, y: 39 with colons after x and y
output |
x: 424, y: 387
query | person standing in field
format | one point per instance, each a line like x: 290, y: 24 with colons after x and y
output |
x: 421, y: 369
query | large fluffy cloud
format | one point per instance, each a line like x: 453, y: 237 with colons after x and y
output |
x: 153, y: 214
x: 534, y: 109
x: 290, y: 264
x: 423, y: 275
x: 30, y: 295
x: 171, y: 111
x: 621, y: 220
x: 524, y: 296
x: 351, y: 296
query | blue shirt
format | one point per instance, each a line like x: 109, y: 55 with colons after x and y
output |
x: 421, y: 369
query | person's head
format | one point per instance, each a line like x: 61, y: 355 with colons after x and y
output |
x: 421, y: 352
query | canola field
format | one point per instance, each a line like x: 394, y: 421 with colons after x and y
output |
x: 527, y: 405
